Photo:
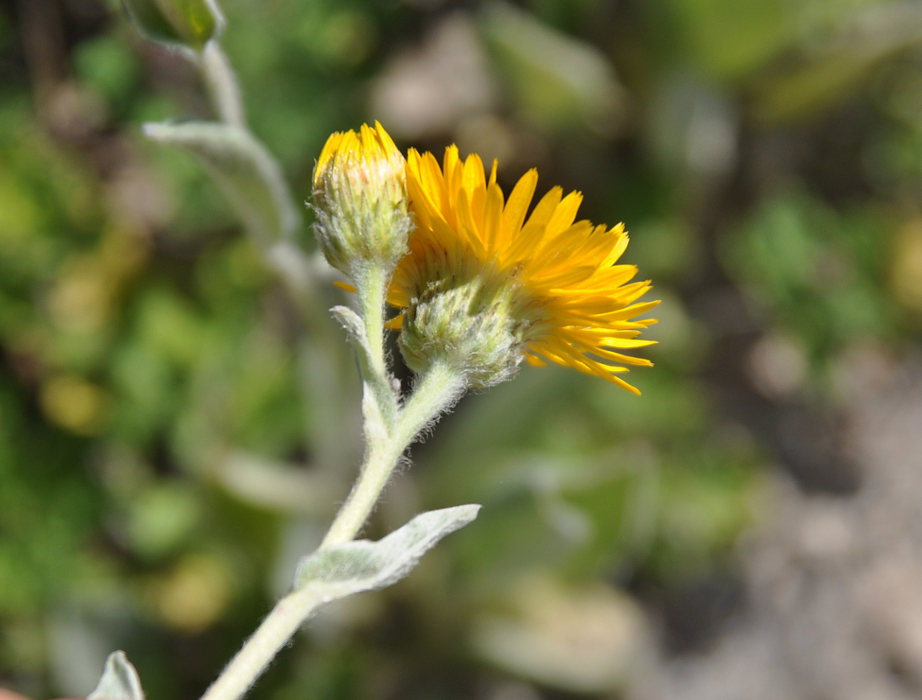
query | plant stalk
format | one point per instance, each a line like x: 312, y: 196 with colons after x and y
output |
x: 371, y: 288
x: 221, y: 84
x: 436, y: 391
x: 259, y: 650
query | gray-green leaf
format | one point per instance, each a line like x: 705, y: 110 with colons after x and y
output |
x: 363, y: 565
x: 247, y: 173
x: 119, y: 680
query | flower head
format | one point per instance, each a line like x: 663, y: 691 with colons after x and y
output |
x: 359, y: 197
x: 486, y: 285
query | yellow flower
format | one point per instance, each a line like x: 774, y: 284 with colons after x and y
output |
x: 485, y: 286
x: 359, y: 198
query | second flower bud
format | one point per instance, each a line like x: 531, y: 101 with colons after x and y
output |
x: 360, y: 200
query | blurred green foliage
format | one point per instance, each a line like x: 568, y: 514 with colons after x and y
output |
x: 172, y: 437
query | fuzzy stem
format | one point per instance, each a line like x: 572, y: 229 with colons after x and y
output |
x: 436, y: 391
x: 221, y: 84
x: 259, y: 650
x: 371, y: 288
x: 371, y: 285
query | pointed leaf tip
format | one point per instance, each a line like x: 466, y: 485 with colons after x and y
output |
x: 119, y: 680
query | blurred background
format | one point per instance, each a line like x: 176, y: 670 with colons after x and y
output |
x: 173, y: 436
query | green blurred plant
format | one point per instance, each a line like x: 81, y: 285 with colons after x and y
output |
x: 152, y: 400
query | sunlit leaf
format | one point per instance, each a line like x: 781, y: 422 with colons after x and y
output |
x: 835, y: 69
x: 364, y: 566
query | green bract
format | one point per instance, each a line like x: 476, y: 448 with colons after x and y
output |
x: 474, y: 322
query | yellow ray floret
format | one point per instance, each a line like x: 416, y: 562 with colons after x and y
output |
x: 371, y: 147
x: 576, y: 306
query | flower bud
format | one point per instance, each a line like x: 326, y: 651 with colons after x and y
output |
x: 177, y: 23
x: 360, y: 200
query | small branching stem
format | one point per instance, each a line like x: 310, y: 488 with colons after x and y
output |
x: 435, y: 392
x: 389, y: 428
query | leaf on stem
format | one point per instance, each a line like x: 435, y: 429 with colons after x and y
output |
x: 373, y: 407
x: 247, y: 173
x: 364, y: 566
x: 351, y: 323
x: 119, y: 680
